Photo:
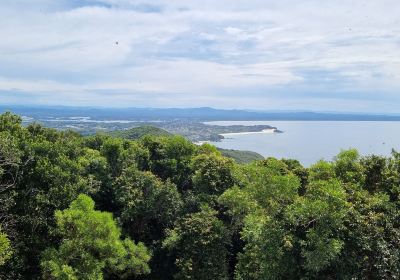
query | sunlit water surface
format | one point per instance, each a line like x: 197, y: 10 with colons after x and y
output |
x: 309, y: 141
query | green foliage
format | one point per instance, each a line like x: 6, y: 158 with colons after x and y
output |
x: 10, y: 122
x: 113, y: 150
x: 207, y: 148
x: 90, y: 245
x: 348, y: 167
x: 5, y: 248
x: 170, y: 158
x: 322, y: 170
x: 241, y: 157
x: 321, y: 213
x: 288, y: 234
x: 199, y: 241
x: 202, y: 215
x: 139, y: 132
x: 212, y: 174
x: 147, y: 205
x: 10, y: 161
x: 296, y: 168
x: 261, y: 204
x: 374, y: 171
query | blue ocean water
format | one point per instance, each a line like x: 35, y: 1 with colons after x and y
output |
x: 309, y: 141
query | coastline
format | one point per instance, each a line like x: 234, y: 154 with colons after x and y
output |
x: 264, y: 131
x: 201, y: 142
x: 227, y: 135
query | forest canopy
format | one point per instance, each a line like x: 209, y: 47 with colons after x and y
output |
x: 160, y: 207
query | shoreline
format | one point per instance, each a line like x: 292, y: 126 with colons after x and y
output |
x: 226, y: 135
x: 264, y: 131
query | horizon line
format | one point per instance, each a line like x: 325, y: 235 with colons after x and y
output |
x: 250, y: 110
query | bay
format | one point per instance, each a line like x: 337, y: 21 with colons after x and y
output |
x: 310, y: 141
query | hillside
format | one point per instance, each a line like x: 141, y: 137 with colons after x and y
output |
x: 135, y: 133
x: 139, y: 132
x: 241, y: 157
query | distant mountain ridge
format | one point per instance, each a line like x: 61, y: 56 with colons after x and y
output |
x: 191, y: 114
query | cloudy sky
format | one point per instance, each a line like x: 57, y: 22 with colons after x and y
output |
x: 337, y: 55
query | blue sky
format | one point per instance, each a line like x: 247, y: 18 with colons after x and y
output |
x: 336, y: 55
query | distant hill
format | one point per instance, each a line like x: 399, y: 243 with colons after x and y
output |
x: 187, y: 114
x: 241, y: 156
x: 138, y: 132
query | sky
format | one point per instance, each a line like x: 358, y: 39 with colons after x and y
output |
x: 336, y: 55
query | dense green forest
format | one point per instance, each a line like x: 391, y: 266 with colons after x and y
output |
x: 146, y: 130
x: 241, y: 156
x: 138, y: 132
x: 160, y: 207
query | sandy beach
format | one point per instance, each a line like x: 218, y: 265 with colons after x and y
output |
x: 264, y: 131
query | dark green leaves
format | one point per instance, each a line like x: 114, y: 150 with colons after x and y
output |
x: 91, y: 244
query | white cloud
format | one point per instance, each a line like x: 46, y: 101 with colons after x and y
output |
x: 203, y: 48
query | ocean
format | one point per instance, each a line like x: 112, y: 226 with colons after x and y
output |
x: 310, y: 141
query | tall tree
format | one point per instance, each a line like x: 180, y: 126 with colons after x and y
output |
x: 200, y: 242
x: 91, y: 246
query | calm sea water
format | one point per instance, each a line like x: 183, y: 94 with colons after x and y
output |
x: 309, y: 141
